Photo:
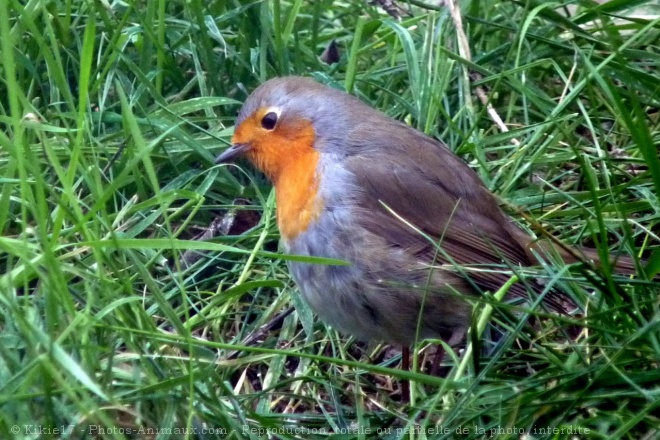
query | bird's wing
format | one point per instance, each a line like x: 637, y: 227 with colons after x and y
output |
x: 418, y: 180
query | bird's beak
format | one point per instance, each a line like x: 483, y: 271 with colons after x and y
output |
x: 232, y: 152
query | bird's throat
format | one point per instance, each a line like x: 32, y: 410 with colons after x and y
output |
x: 296, y: 189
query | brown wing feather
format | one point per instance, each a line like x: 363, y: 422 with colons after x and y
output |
x: 431, y: 188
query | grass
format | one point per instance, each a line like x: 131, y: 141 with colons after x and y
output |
x: 111, y: 115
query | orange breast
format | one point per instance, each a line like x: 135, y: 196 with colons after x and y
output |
x: 296, y: 188
x: 287, y: 156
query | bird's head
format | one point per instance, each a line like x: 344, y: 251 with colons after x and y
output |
x: 287, y: 118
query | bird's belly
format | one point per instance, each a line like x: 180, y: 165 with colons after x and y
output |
x: 380, y: 295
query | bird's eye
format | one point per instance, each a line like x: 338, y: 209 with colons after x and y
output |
x: 269, y: 120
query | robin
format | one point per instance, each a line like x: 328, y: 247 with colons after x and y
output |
x: 409, y: 217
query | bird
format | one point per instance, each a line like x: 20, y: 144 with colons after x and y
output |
x: 397, y: 206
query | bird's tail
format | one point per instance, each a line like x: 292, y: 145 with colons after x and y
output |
x: 618, y: 263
